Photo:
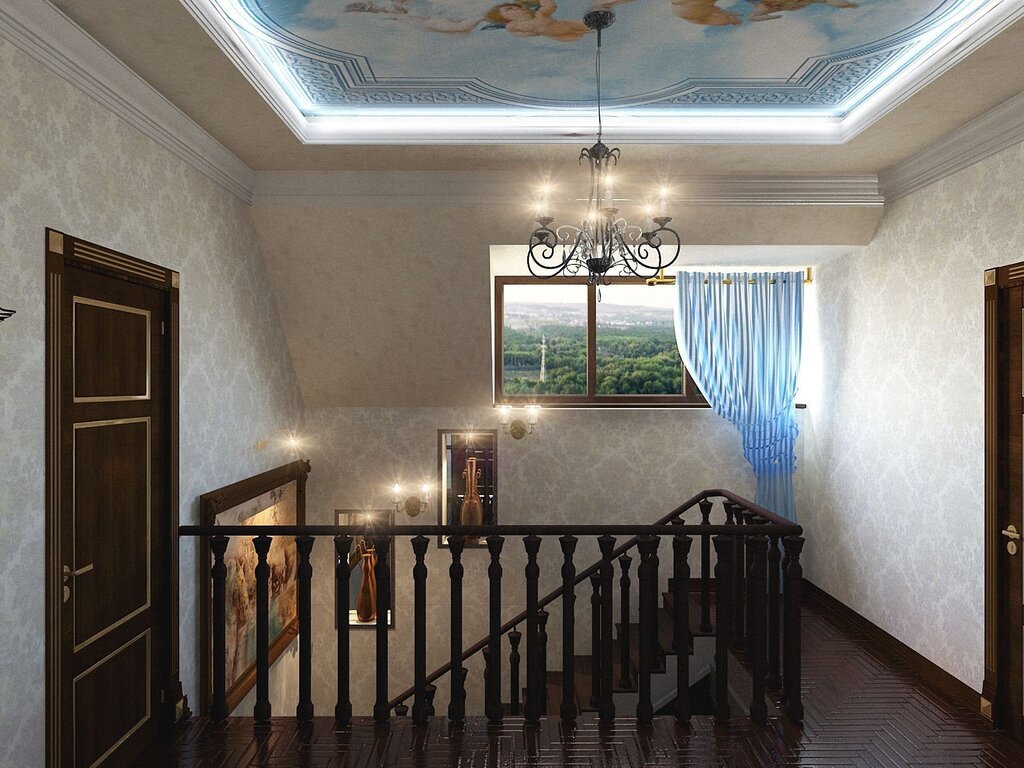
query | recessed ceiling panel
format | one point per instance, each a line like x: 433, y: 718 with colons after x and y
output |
x: 672, y: 70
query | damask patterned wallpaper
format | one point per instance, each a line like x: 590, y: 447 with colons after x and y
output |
x: 895, y: 514
x: 67, y: 163
x: 577, y: 467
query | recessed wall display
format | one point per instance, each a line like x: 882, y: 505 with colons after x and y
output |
x: 362, y: 561
x: 277, y: 497
x: 467, y: 474
x: 345, y: 70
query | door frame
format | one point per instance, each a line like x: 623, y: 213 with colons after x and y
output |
x: 65, y: 250
x: 993, y: 703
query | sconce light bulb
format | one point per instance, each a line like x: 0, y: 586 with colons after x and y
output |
x: 425, y: 488
x: 397, y: 489
x: 503, y: 414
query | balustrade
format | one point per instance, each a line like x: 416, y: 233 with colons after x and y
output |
x: 754, y: 599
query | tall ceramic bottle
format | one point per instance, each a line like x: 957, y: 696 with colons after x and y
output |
x: 472, y: 511
x: 366, y: 604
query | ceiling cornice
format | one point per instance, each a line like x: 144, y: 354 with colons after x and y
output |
x: 992, y: 132
x: 475, y: 188
x: 45, y: 33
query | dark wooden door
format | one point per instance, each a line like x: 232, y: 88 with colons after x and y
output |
x: 1005, y: 494
x: 112, y: 516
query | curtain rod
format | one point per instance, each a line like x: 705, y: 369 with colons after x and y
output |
x: 660, y: 279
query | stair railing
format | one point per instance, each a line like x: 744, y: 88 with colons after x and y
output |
x: 748, y: 580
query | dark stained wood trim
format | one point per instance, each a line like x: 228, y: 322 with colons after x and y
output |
x: 212, y: 504
x: 929, y: 672
x: 990, y: 687
x: 591, y: 399
x: 62, y: 249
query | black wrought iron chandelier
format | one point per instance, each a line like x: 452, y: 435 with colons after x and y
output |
x: 604, y: 243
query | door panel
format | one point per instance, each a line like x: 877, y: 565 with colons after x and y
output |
x: 112, y: 524
x: 111, y: 351
x: 1005, y: 481
x: 100, y: 731
x: 114, y: 545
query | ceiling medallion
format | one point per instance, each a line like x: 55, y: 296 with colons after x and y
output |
x: 604, y: 243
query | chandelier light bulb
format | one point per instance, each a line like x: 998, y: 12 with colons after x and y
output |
x: 603, y: 244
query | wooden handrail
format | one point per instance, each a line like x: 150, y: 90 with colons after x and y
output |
x: 777, y: 527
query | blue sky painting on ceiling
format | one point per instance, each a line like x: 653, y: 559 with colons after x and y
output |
x: 815, y: 56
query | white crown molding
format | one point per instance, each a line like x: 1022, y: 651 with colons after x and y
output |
x: 967, y: 28
x: 474, y: 188
x: 45, y: 33
x: 996, y: 130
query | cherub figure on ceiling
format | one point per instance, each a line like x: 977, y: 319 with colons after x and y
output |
x: 767, y: 10
x: 703, y: 12
x: 523, y: 18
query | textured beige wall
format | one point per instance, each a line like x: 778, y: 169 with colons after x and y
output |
x: 67, y: 163
x: 578, y: 467
x: 896, y: 526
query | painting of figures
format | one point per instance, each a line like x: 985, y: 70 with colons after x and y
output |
x: 276, y: 497
x: 276, y: 507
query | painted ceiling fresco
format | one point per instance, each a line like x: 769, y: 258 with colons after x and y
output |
x: 687, y: 57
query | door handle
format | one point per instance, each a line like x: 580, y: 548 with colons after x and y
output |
x: 84, y: 569
x: 1011, y: 532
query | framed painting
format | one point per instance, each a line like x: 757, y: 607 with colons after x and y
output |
x: 468, y: 479
x: 276, y: 497
x: 362, y: 562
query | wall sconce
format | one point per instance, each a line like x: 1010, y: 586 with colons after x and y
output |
x: 517, y: 427
x: 5, y: 313
x: 412, y: 505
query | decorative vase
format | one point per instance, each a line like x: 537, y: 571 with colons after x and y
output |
x: 366, y: 605
x: 472, y: 510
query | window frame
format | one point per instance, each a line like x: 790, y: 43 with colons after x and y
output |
x: 689, y: 398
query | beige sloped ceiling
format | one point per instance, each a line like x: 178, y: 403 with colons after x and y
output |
x: 391, y: 306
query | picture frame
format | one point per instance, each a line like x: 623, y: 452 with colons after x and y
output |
x: 369, y: 518
x: 454, y: 447
x: 275, y: 497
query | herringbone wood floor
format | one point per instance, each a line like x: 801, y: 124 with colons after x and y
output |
x: 862, y: 709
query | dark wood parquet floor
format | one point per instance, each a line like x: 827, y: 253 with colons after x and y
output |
x: 862, y: 709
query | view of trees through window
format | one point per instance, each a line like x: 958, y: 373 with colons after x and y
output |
x: 544, y: 340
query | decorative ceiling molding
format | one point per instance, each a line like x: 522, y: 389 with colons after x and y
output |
x: 46, y: 34
x: 992, y: 132
x: 474, y: 188
x: 389, y: 119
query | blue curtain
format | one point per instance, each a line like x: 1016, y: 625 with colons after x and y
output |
x: 739, y: 335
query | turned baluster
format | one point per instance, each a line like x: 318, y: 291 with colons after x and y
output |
x: 431, y: 693
x: 419, y: 576
x: 625, y: 680
x: 774, y: 681
x: 493, y: 681
x: 457, y: 703
x: 532, y: 708
x: 542, y: 654
x: 681, y: 623
x: 568, y: 708
x: 648, y: 573
x: 606, y: 702
x: 757, y: 552
x: 219, y: 705
x: 739, y: 581
x: 791, y: 672
x: 343, y: 709
x: 705, y: 567
x: 514, y: 658
x: 724, y: 547
x: 304, y: 708
x: 595, y: 638
x: 261, y: 711
x: 382, y: 572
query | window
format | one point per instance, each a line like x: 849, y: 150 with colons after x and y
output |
x: 556, y: 343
